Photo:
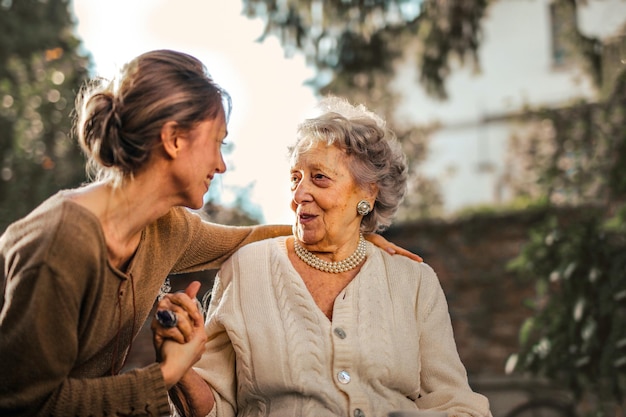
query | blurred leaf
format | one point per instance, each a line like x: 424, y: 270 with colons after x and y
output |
x: 40, y: 73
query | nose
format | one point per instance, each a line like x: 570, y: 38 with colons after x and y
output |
x: 221, y: 166
x: 301, y: 192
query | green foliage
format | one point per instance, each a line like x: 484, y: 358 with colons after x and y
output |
x: 40, y: 73
x: 31, y: 27
x: 576, y: 336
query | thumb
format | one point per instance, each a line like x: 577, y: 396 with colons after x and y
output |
x: 192, y: 289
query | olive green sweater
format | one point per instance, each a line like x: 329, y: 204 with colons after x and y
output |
x: 67, y: 317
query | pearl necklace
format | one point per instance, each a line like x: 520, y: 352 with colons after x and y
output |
x: 333, y: 267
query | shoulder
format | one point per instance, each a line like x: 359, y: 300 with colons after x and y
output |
x: 177, y: 229
x: 57, y: 221
x: 403, y: 270
x: 58, y: 232
x: 255, y: 257
x: 259, y: 251
x: 402, y: 263
x: 175, y: 220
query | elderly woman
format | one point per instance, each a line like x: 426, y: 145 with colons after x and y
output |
x: 323, y: 323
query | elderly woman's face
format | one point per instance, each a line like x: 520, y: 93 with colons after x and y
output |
x: 324, y: 198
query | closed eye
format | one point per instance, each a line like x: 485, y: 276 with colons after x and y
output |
x: 226, y: 146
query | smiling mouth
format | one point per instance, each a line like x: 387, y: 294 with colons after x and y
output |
x: 305, y: 217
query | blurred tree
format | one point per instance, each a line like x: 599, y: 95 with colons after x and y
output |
x: 235, y: 215
x: 346, y: 38
x: 241, y: 211
x: 40, y: 72
x: 356, y: 37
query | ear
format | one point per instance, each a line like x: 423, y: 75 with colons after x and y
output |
x: 372, y: 192
x: 170, y: 139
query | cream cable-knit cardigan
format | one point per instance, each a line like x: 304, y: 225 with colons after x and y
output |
x: 390, y: 346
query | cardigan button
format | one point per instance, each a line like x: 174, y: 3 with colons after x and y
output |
x: 358, y: 413
x: 340, y: 332
x: 343, y: 377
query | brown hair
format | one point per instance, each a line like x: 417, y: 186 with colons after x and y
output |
x: 118, y: 122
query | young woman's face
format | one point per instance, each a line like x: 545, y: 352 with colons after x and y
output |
x: 324, y: 198
x: 200, y: 160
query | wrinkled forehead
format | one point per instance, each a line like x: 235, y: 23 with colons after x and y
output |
x: 307, y: 140
x: 321, y: 151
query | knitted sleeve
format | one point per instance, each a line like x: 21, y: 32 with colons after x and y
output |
x: 207, y: 245
x: 38, y: 353
x: 219, y: 356
x: 444, y: 379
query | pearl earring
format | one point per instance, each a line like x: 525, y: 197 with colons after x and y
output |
x: 363, y: 208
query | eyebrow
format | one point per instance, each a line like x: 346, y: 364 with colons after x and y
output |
x: 325, y: 168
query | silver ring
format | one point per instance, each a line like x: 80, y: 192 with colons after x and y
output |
x: 166, y: 318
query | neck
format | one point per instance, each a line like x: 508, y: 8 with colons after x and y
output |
x: 128, y: 208
x: 347, y: 264
x: 123, y: 213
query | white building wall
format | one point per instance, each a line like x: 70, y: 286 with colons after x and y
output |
x: 517, y: 71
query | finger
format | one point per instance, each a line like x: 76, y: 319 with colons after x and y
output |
x: 185, y: 323
x: 192, y: 289
x: 408, y: 254
x: 185, y: 326
x: 173, y: 323
x: 161, y: 333
x: 394, y: 249
x: 192, y: 292
x: 165, y: 303
x: 191, y: 308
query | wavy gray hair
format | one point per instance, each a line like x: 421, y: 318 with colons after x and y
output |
x: 374, y: 154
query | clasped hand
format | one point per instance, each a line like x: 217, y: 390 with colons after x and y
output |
x: 178, y: 348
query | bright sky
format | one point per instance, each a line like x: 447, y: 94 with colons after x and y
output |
x: 269, y: 97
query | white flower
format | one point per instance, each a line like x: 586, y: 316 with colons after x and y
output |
x: 569, y: 270
x: 555, y: 276
x: 588, y: 330
x: 594, y: 274
x: 579, y: 308
x: 511, y: 362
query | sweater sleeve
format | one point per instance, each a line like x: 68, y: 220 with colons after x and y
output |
x: 443, y: 376
x: 38, y: 353
x: 208, y: 244
x: 217, y: 364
